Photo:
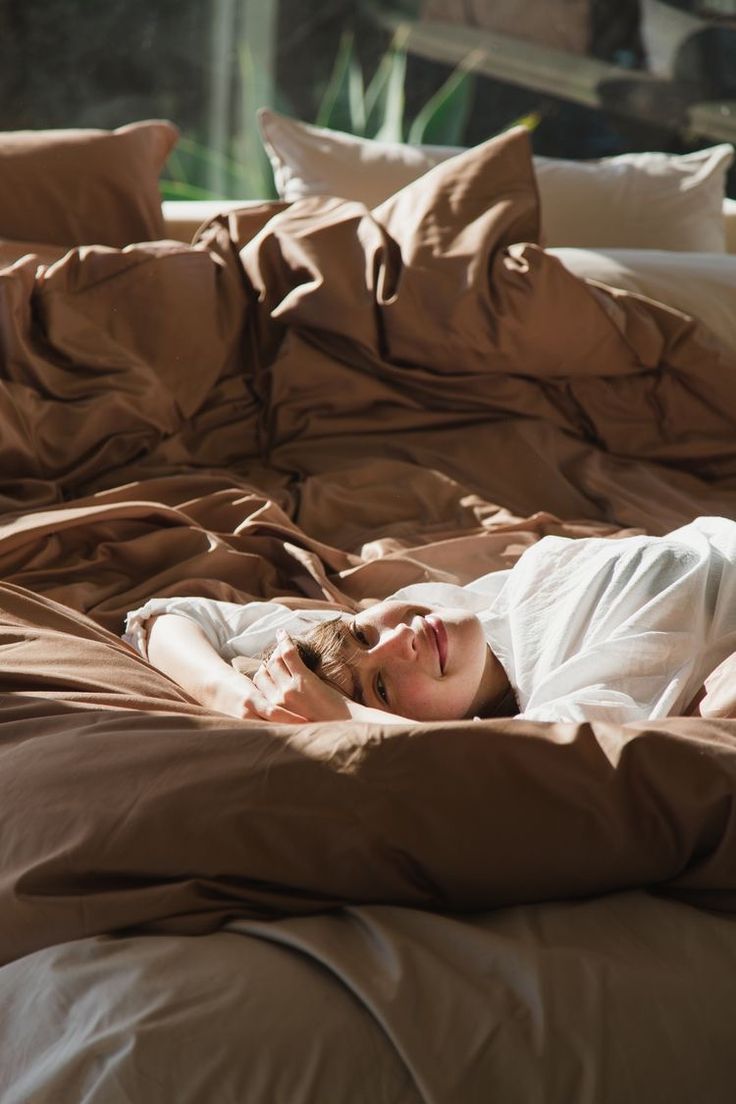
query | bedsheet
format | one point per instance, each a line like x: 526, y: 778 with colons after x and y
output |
x: 431, y: 331
x: 123, y: 805
x: 320, y: 405
x: 613, y: 1000
x: 178, y: 422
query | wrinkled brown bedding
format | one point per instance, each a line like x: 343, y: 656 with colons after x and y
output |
x: 346, y: 402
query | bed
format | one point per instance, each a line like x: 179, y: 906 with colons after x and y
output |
x: 320, y: 401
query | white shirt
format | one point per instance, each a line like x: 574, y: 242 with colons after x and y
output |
x: 586, y: 629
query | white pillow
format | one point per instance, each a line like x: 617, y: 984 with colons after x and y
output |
x: 309, y: 160
x: 699, y: 284
x: 635, y: 200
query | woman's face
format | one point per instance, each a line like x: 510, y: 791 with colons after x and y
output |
x: 420, y: 662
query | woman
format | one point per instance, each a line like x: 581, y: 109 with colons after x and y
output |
x: 591, y: 629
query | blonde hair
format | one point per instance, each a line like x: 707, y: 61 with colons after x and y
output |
x: 329, y: 650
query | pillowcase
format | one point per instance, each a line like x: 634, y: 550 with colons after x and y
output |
x: 84, y: 187
x: 700, y: 284
x: 12, y: 251
x: 634, y: 200
x: 637, y: 201
x: 309, y: 160
x: 719, y: 698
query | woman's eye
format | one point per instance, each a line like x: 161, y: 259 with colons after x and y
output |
x: 359, y: 634
x: 381, y: 690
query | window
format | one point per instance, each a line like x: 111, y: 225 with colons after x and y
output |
x: 590, y: 78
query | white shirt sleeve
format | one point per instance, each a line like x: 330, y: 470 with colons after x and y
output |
x: 249, y: 629
x: 617, y: 630
x: 232, y: 628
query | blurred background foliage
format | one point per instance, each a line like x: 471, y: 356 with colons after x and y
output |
x: 208, y: 65
x: 371, y: 106
x: 376, y: 108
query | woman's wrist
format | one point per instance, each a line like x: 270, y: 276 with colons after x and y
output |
x: 179, y: 648
x: 223, y: 690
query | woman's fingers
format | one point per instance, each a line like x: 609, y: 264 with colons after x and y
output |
x: 258, y: 707
x: 263, y: 679
x: 275, y: 684
x: 292, y: 691
x: 279, y: 662
x: 282, y: 657
x: 282, y: 667
x: 287, y: 655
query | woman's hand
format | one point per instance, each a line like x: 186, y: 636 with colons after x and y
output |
x: 286, y: 683
x: 180, y: 648
x: 237, y: 696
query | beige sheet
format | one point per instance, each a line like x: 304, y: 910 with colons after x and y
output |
x: 147, y: 1020
x: 346, y: 402
x: 700, y: 284
x: 610, y: 1001
x: 418, y: 330
x: 430, y: 331
x: 123, y: 805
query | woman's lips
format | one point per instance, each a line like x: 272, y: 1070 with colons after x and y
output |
x: 440, y: 636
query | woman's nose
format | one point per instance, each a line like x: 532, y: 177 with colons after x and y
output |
x: 397, y: 643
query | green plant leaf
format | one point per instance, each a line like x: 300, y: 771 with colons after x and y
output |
x: 391, y: 127
x: 531, y: 121
x: 356, y: 97
x: 441, y: 122
x: 375, y: 93
x: 175, y: 169
x: 186, y: 174
x: 197, y: 152
x: 384, y: 97
x: 335, y: 107
x: 254, y: 176
x: 178, y: 189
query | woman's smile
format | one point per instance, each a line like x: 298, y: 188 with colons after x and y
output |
x: 440, y: 635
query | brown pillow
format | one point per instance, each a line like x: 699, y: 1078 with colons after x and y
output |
x: 12, y: 250
x: 84, y: 187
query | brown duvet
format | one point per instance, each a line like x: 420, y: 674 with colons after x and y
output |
x: 320, y: 404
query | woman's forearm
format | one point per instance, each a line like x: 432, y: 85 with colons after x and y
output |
x: 180, y: 648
